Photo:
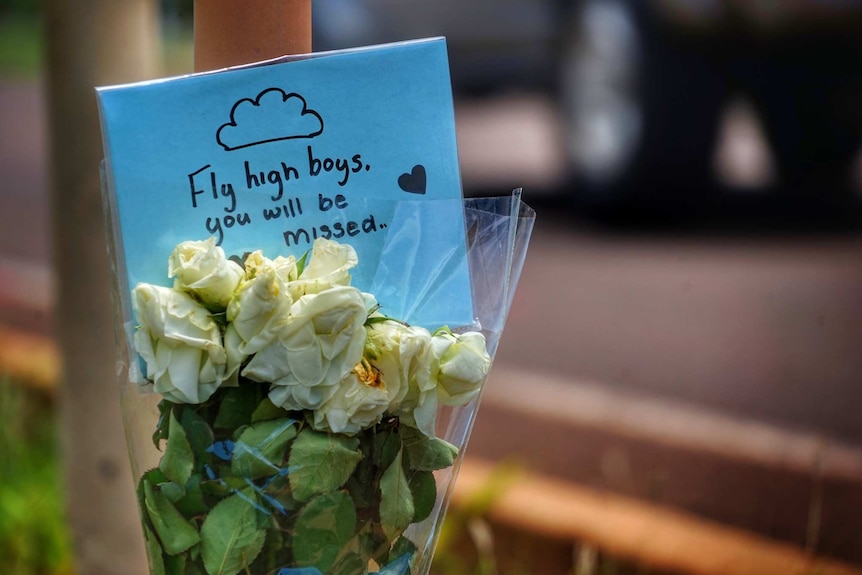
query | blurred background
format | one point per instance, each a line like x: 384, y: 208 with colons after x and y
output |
x: 681, y: 365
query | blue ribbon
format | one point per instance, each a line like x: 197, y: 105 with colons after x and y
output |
x: 222, y: 449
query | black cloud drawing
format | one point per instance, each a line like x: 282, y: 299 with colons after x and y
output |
x: 272, y: 116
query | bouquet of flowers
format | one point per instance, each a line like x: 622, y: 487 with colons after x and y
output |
x: 300, y: 429
x: 298, y: 426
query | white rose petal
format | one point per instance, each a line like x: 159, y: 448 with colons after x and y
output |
x: 201, y: 269
x: 423, y: 412
x: 180, y: 343
x: 329, y: 266
x: 320, y: 345
x: 286, y: 268
x: 258, y: 312
x: 356, y: 405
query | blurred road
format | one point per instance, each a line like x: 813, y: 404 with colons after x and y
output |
x: 767, y: 328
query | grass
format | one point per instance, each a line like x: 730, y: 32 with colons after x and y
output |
x: 33, y: 534
x: 22, y: 49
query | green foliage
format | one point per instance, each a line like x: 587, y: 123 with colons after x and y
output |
x: 21, y: 46
x: 423, y: 489
x: 19, y: 7
x: 428, y: 454
x: 175, y: 533
x: 245, y: 487
x: 321, y: 462
x: 324, y: 528
x: 396, y: 501
x: 179, y: 460
x: 260, y: 448
x: 23, y: 42
x: 33, y: 536
x: 238, y: 405
x: 231, y: 538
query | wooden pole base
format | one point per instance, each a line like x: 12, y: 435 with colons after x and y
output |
x: 230, y: 33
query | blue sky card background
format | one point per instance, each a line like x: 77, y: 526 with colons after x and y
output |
x: 389, y: 105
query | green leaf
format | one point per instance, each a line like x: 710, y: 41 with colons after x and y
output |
x: 423, y: 487
x: 194, y: 554
x: 178, y: 461
x: 176, y: 565
x: 154, y: 477
x: 428, y: 454
x: 279, y: 490
x: 375, y: 320
x: 230, y: 537
x: 175, y: 533
x: 396, y: 500
x: 387, y: 444
x: 301, y: 263
x: 276, y: 551
x: 267, y: 411
x: 223, y: 486
x: 364, y: 492
x: 161, y: 432
x: 323, y: 529
x: 238, y: 405
x: 260, y: 449
x: 363, y: 482
x: 198, y: 433
x: 321, y: 462
x: 192, y: 503
x: 172, y: 491
x: 154, y: 552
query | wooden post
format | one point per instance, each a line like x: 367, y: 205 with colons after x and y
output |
x: 229, y: 33
x: 91, y: 43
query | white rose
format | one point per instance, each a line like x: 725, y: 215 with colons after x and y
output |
x: 258, y: 312
x: 180, y: 343
x: 320, y: 345
x: 382, y: 350
x: 419, y: 409
x: 402, y: 355
x: 358, y: 403
x: 461, y: 365
x: 201, y: 269
x: 286, y: 268
x: 329, y: 266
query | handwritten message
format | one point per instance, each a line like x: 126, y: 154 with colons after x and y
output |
x: 274, y: 156
x: 205, y: 186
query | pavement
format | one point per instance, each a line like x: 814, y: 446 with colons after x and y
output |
x: 755, y: 332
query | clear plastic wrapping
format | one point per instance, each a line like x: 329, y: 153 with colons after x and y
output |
x: 293, y: 424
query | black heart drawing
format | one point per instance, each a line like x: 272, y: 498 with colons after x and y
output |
x: 414, y: 182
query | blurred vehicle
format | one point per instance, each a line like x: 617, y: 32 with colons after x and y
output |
x: 492, y: 42
x: 642, y: 84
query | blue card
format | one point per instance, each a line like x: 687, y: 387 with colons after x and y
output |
x: 356, y: 146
